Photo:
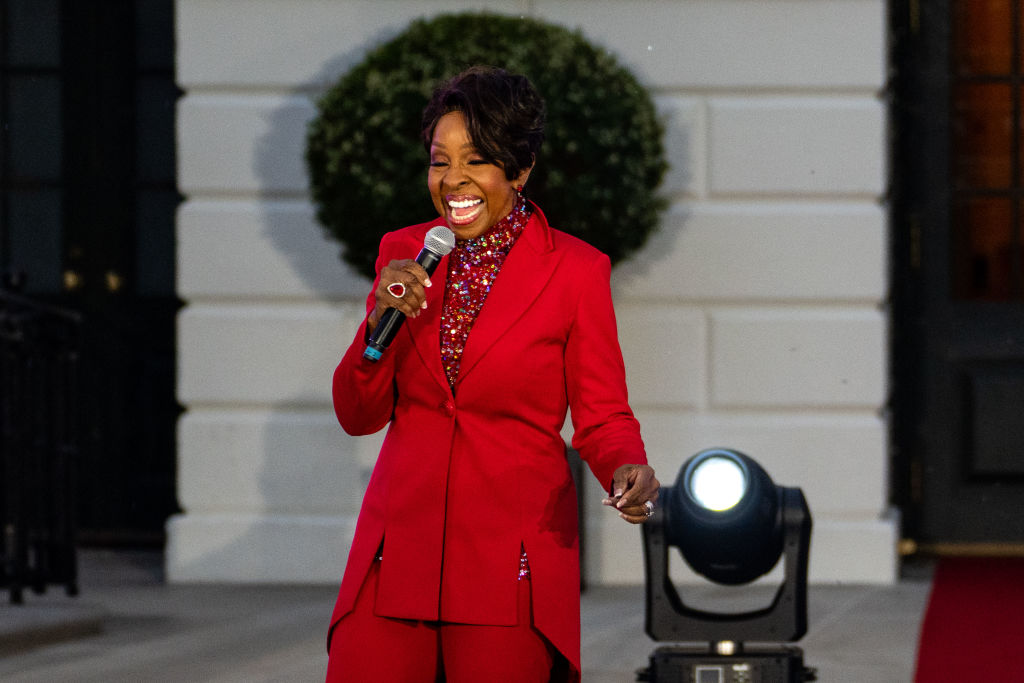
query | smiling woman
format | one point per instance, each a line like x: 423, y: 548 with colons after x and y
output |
x: 465, y: 560
x: 603, y: 156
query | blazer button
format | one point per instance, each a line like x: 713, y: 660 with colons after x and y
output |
x: 448, y: 407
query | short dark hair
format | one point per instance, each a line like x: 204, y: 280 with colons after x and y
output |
x: 504, y: 114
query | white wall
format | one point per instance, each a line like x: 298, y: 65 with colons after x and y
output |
x: 763, y: 285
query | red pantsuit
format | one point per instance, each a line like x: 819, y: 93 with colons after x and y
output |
x: 406, y: 651
x: 467, y: 478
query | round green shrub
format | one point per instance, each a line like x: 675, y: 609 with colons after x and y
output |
x: 597, y: 172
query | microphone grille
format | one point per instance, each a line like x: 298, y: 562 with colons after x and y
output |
x: 439, y: 240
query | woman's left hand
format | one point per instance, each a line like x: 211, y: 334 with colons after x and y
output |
x: 634, y: 492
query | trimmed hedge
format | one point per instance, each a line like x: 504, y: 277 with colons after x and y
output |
x: 597, y: 173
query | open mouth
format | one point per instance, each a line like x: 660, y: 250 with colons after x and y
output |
x: 464, y: 210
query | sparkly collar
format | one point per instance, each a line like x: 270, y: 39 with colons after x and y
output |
x: 500, y: 237
x: 474, y: 265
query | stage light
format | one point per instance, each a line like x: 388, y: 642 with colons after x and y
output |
x: 732, y: 525
x: 723, y: 516
x: 717, y: 482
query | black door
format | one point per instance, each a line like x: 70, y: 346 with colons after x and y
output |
x: 87, y: 222
x: 958, y: 272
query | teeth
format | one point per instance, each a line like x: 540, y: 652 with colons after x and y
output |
x: 463, y: 203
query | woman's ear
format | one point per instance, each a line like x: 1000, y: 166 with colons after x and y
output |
x: 523, y: 176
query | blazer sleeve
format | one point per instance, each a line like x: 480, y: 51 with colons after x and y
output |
x: 606, y: 433
x: 364, y: 391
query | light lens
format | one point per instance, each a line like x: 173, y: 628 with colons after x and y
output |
x: 718, y: 483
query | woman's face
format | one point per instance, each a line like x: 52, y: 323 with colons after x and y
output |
x: 472, y: 194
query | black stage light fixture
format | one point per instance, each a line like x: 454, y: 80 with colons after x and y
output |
x: 731, y: 524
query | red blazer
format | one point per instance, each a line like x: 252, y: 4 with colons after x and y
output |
x: 462, y: 481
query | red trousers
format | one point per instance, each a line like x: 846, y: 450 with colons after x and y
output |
x: 365, y: 647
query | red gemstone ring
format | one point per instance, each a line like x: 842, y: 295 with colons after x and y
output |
x: 396, y: 289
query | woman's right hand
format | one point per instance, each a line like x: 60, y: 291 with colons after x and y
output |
x: 402, y: 285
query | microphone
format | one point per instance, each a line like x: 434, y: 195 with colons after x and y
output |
x: 438, y: 242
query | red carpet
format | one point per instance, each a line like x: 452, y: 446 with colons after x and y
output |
x: 973, y: 628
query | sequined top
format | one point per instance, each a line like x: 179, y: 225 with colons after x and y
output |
x: 472, y: 268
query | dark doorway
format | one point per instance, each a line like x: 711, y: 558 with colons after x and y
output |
x: 958, y: 272
x: 87, y: 204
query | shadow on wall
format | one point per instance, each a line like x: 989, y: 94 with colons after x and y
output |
x: 292, y: 518
x: 291, y: 226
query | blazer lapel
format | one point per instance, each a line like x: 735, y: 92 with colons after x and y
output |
x: 426, y: 327
x: 524, y: 275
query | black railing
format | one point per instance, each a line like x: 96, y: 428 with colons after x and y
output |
x: 39, y: 364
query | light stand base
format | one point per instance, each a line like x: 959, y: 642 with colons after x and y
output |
x: 752, y: 664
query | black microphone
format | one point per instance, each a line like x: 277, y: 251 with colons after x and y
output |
x: 438, y: 242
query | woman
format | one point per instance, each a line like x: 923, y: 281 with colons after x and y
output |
x: 465, y: 561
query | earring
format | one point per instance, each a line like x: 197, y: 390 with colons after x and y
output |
x: 519, y: 191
